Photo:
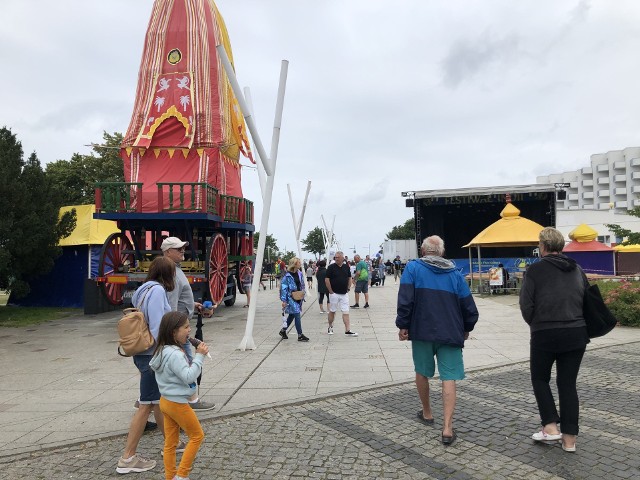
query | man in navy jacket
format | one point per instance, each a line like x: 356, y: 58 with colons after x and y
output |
x: 436, y: 312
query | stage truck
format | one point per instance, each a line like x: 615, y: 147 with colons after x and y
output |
x: 458, y: 215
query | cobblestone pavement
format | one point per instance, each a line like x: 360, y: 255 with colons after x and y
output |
x: 375, y: 434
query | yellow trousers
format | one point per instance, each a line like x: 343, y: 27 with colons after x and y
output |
x: 179, y: 416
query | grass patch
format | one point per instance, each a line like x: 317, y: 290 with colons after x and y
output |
x: 25, y: 316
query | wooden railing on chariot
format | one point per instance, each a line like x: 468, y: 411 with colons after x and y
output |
x: 125, y: 197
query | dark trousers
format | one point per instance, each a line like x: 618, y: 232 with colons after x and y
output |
x: 567, y: 368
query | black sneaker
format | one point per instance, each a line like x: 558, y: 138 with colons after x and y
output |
x: 150, y: 426
x: 283, y: 334
x: 355, y: 305
x: 302, y: 338
x: 366, y: 305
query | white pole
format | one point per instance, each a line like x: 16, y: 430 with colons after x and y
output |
x: 262, y: 176
x: 304, y: 207
x: 222, y: 54
x: 270, y: 168
x: 293, y: 220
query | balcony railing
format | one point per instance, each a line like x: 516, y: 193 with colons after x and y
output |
x: 187, y: 197
x: 118, y: 197
x: 123, y: 197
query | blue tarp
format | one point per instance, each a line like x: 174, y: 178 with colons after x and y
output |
x: 64, y: 285
x: 511, y: 264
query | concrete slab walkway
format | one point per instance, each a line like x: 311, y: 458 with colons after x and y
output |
x: 63, y: 383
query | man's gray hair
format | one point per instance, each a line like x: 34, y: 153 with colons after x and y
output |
x: 433, y: 245
x: 340, y: 252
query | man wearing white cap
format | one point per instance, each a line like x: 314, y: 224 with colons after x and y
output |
x: 181, y: 298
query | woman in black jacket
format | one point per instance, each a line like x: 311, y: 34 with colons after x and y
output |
x: 551, y: 303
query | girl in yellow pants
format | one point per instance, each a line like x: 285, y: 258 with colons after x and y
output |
x: 176, y: 378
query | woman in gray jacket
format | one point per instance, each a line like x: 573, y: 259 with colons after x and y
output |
x: 551, y: 303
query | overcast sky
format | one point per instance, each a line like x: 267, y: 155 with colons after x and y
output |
x: 382, y: 97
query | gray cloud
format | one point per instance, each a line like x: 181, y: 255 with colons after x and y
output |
x: 468, y: 57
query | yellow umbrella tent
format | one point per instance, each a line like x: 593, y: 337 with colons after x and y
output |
x: 511, y: 230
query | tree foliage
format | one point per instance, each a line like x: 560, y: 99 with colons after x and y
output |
x: 632, y: 238
x: 74, y: 180
x: 270, y: 249
x: 29, y: 225
x: 314, y: 242
x: 406, y: 231
x: 288, y: 255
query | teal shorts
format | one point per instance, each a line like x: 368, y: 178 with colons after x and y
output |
x: 450, y: 364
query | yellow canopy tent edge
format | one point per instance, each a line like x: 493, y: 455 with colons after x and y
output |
x: 88, y: 231
x: 511, y: 230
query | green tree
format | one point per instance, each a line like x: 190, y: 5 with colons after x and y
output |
x: 632, y: 238
x: 314, y: 242
x: 286, y: 256
x: 74, y: 180
x: 29, y: 226
x: 406, y: 231
x: 270, y: 248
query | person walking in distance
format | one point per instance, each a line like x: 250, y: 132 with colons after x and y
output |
x: 321, y: 274
x: 436, y: 312
x: 292, y: 294
x: 176, y: 375
x: 362, y: 281
x: 181, y: 300
x: 397, y: 268
x: 338, y: 283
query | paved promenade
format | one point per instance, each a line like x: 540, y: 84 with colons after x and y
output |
x: 335, y: 407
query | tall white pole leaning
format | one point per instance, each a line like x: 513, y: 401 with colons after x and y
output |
x: 269, y: 167
x: 262, y: 176
x: 297, y: 224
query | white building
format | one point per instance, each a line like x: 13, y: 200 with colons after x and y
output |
x: 600, y: 193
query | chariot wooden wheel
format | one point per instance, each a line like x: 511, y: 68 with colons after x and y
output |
x: 113, y: 261
x: 217, y: 268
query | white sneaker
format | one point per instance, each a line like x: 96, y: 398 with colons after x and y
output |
x: 330, y: 330
x: 543, y: 436
x: 351, y: 334
x: 135, y: 464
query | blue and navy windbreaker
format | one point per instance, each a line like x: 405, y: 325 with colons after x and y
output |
x: 435, y: 303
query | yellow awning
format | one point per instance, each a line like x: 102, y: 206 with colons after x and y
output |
x: 88, y: 231
x: 511, y: 230
x: 627, y: 248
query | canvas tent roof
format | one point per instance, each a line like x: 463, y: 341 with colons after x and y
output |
x: 591, y: 246
x: 627, y: 248
x: 88, y: 231
x: 511, y: 230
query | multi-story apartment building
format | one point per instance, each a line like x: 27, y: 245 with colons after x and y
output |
x: 599, y: 194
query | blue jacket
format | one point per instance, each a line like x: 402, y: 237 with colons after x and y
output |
x: 288, y: 285
x: 435, y: 303
x: 175, y: 375
x: 154, y: 306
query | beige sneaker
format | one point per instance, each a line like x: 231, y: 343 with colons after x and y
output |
x: 137, y: 464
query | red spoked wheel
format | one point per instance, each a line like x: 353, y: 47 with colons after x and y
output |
x: 114, y: 261
x: 244, y: 268
x: 217, y: 268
